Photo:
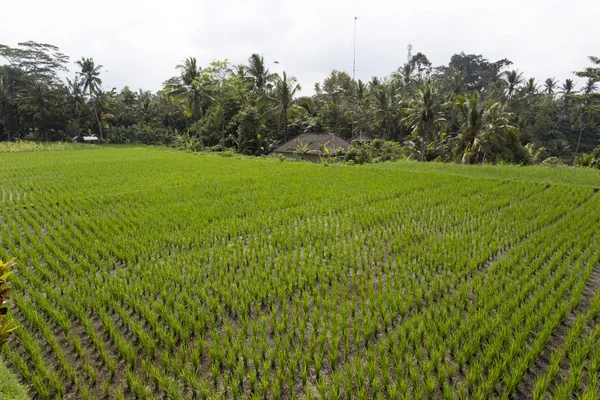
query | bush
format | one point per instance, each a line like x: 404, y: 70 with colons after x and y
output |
x: 140, y: 134
x: 376, y: 151
x: 553, y: 161
x: 596, y: 158
x: 6, y: 325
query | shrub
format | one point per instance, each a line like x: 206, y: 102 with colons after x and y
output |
x: 553, y: 161
x: 6, y: 325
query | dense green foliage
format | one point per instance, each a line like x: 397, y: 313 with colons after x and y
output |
x: 470, y: 111
x: 150, y: 273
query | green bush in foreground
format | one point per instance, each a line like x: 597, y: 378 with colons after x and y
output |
x: 6, y: 325
x: 10, y: 388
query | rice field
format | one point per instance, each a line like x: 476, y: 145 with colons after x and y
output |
x: 147, y: 273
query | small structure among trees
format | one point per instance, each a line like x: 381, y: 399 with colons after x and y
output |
x: 362, y: 137
x: 312, y: 146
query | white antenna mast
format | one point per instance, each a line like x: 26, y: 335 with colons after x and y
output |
x: 353, y: 74
x: 354, y: 62
x: 409, y: 56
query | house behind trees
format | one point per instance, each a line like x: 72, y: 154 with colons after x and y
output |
x: 311, y: 146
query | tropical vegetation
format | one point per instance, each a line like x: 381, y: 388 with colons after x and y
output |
x: 471, y: 110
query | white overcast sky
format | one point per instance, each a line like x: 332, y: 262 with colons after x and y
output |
x: 139, y: 42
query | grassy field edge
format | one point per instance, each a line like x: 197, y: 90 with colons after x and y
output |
x: 10, y: 387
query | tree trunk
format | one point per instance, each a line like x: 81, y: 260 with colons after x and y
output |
x: 285, y: 124
x: 97, y: 119
x: 579, y: 140
x: 223, y: 133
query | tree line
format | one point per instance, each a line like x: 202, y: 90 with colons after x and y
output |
x: 471, y: 110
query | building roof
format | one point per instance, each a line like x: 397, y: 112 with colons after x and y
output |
x: 315, y: 143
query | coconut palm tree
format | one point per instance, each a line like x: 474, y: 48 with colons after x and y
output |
x: 568, y: 87
x: 258, y: 73
x: 531, y: 87
x: 559, y: 148
x: 549, y: 85
x: 187, y: 88
x: 90, y: 75
x: 384, y: 107
x: 481, y: 125
x: 425, y: 115
x: 38, y: 98
x: 406, y: 75
x: 76, y: 98
x: 582, y: 115
x: 7, y: 98
x: 513, y: 79
x: 590, y: 87
x: 281, y: 100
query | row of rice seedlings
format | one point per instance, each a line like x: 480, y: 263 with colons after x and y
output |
x: 577, y: 347
x: 436, y: 319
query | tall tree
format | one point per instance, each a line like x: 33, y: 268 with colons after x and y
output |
x: 7, y: 100
x: 421, y: 64
x: 384, y: 107
x: 568, y: 87
x: 513, y: 79
x: 90, y: 75
x: 425, y: 115
x: 481, y: 126
x: 186, y: 87
x: 259, y: 74
x: 531, y: 87
x: 590, y: 87
x: 281, y: 100
x: 549, y: 85
x: 40, y: 61
x: 38, y: 99
x: 593, y: 72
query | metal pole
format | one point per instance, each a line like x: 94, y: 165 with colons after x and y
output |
x: 353, y: 76
x: 354, y: 62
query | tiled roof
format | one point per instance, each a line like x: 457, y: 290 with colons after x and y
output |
x: 314, y: 141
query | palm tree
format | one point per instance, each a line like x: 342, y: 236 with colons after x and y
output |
x: 384, y: 107
x: 303, y: 148
x: 568, y: 87
x: 374, y: 83
x: 7, y: 97
x: 406, y: 74
x: 513, y: 79
x: 549, y: 85
x: 90, y: 74
x: 590, y: 87
x: 76, y: 96
x: 559, y: 148
x: 282, y: 101
x: 531, y: 87
x: 535, y: 153
x: 187, y: 87
x: 258, y: 73
x: 425, y: 115
x: 143, y: 105
x: 582, y: 115
x: 38, y: 98
x: 481, y: 125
